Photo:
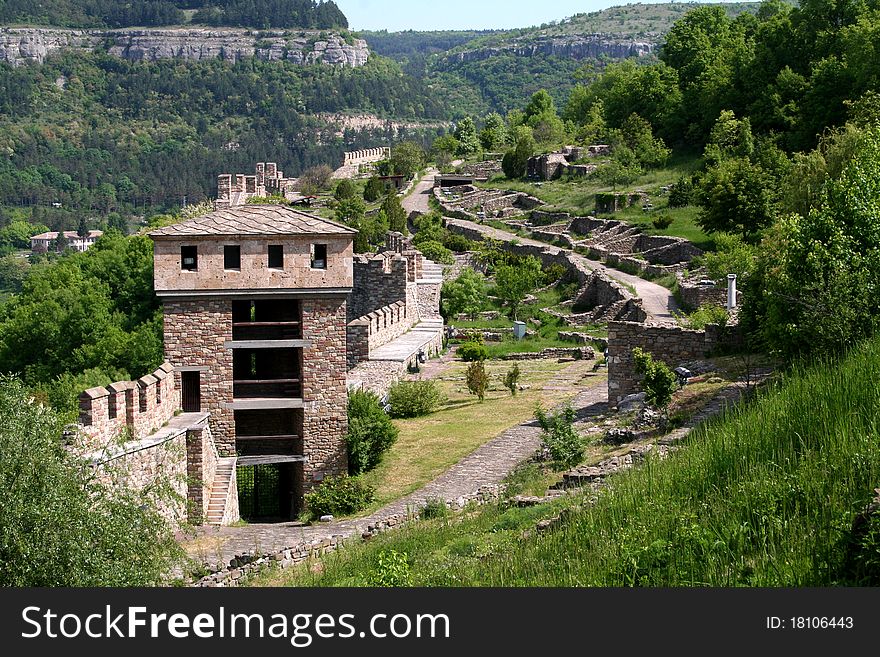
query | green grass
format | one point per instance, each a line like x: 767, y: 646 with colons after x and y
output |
x: 429, y: 445
x: 763, y: 496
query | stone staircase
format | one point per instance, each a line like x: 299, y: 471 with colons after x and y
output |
x: 220, y: 491
x: 432, y: 272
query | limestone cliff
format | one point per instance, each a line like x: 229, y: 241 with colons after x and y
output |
x: 20, y: 45
x: 587, y: 46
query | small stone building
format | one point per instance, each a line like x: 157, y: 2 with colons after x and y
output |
x: 255, y: 328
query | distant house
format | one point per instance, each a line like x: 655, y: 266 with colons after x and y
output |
x: 45, y: 242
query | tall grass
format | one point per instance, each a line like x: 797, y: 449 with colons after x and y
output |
x: 764, y: 496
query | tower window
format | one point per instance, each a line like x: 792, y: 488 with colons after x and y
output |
x: 189, y: 258
x: 319, y: 256
x: 232, y: 257
x: 276, y: 256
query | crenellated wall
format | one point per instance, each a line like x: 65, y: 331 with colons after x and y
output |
x: 140, y: 407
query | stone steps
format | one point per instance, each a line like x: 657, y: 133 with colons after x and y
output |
x: 220, y: 491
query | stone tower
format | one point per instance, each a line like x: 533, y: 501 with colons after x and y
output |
x: 255, y: 327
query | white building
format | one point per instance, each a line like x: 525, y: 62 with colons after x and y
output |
x: 45, y: 242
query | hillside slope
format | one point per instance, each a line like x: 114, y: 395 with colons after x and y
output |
x: 772, y: 494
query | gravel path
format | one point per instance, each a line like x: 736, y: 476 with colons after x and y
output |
x: 487, y: 465
x: 417, y: 201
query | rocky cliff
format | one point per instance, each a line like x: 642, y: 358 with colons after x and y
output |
x: 588, y: 46
x: 19, y: 45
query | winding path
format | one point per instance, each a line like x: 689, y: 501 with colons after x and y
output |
x: 417, y: 200
x: 657, y: 301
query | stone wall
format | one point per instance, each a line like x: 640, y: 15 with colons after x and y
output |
x: 377, y: 328
x: 201, y: 457
x: 138, y: 407
x: 141, y: 465
x: 196, y: 332
x: 379, y: 281
x: 366, y: 156
x: 325, y: 392
x: 671, y: 344
x: 236, y: 189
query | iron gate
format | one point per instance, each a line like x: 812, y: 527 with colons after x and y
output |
x: 259, y: 491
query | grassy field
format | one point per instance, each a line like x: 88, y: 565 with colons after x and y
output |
x: 763, y: 496
x: 429, y: 445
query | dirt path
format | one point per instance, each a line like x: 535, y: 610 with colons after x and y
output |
x: 485, y: 466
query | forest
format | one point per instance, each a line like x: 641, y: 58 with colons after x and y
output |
x: 140, y: 137
x: 153, y: 13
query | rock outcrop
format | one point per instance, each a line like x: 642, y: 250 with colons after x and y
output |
x: 587, y: 46
x: 20, y: 45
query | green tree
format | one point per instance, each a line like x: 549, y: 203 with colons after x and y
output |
x: 60, y: 526
x: 514, y: 282
x: 407, y: 159
x: 477, y: 379
x: 315, y: 179
x: 393, y: 209
x: 638, y: 136
x: 736, y: 196
x: 373, y: 190
x: 13, y: 272
x: 61, y: 243
x: 464, y: 295
x: 511, y: 379
x: 345, y: 189
x: 559, y: 438
x: 515, y: 161
x: 466, y: 134
x: 82, y: 229
x: 494, y: 134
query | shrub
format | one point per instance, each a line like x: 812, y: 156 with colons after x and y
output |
x: 457, y: 243
x: 473, y: 351
x: 708, y: 313
x: 345, y: 189
x: 434, y: 508
x: 565, y: 445
x: 413, y: 398
x: 662, y: 222
x: 477, y: 379
x: 658, y: 381
x: 681, y: 193
x: 511, y: 379
x: 370, y: 432
x: 437, y: 252
x: 392, y: 570
x: 339, y: 496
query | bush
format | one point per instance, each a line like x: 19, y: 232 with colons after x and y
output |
x: 437, y: 252
x: 370, y: 432
x: 658, y: 381
x: 457, y: 243
x: 434, y: 508
x: 565, y: 445
x: 708, y: 313
x: 473, y: 351
x: 345, y: 189
x: 339, y: 496
x: 681, y: 193
x: 413, y: 398
x: 477, y: 379
x: 662, y: 222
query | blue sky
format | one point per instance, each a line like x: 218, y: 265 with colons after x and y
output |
x: 396, y: 15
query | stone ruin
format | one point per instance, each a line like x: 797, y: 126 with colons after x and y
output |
x: 357, y: 164
x: 235, y: 189
x: 550, y: 166
x: 467, y: 201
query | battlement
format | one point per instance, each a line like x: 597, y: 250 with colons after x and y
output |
x: 140, y: 406
x: 236, y: 188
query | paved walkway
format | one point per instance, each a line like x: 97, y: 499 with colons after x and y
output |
x: 657, y: 301
x: 417, y: 201
x: 487, y: 465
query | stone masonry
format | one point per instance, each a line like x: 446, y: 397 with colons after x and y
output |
x: 325, y: 390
